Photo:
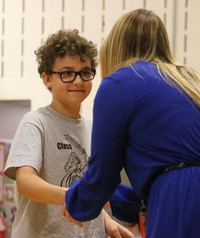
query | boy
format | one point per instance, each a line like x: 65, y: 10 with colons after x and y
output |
x: 51, y: 146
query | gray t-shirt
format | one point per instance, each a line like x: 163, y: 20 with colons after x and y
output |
x: 58, y: 148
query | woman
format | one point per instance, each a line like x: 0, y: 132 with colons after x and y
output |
x: 146, y: 119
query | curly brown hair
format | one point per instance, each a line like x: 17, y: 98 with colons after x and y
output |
x: 64, y: 42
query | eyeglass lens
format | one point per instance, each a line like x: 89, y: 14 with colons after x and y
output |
x: 87, y: 74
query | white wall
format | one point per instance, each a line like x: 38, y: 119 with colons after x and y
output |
x: 24, y: 24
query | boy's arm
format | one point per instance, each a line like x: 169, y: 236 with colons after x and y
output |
x: 114, y: 229
x: 30, y: 185
x: 133, y: 228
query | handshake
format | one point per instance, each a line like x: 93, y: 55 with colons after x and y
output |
x: 113, y: 229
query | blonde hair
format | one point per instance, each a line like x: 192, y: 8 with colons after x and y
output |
x: 141, y: 35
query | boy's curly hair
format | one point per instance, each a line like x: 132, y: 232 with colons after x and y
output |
x: 64, y: 42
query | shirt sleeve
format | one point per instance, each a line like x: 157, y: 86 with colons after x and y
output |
x: 26, y: 148
x: 111, y: 115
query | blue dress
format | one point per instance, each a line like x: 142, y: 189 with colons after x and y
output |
x: 143, y: 124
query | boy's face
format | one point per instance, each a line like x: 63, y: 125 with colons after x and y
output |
x: 72, y: 93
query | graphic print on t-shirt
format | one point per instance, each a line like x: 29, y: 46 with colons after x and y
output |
x: 76, y: 163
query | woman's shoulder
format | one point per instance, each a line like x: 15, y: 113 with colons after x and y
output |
x: 140, y: 67
x: 141, y: 72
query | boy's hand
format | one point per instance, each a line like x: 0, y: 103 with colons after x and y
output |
x: 114, y: 229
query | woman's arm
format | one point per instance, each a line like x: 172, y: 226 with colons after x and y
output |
x: 125, y: 204
x: 111, y: 116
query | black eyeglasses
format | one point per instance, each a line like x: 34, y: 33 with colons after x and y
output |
x: 69, y: 76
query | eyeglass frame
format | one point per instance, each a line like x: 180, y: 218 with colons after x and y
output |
x: 76, y: 74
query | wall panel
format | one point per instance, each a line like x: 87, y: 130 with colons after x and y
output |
x: 52, y: 16
x: 130, y: 4
x: 193, y: 35
x: 25, y: 24
x: 73, y: 14
x: 12, y: 39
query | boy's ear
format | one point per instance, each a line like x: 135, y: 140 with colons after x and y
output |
x: 46, y: 78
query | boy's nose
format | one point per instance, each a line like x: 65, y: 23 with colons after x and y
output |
x: 78, y: 80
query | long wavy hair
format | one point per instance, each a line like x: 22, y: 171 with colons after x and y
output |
x: 141, y: 35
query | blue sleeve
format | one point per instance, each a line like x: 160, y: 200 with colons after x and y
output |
x: 125, y: 204
x: 111, y: 113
